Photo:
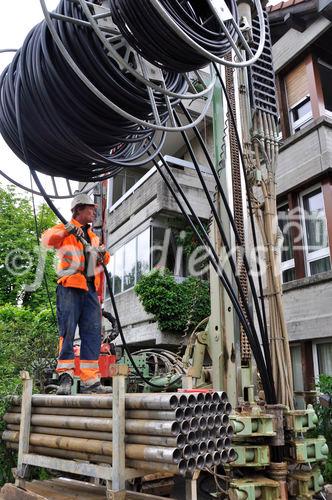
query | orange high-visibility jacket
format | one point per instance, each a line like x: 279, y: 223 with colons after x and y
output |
x: 71, y: 258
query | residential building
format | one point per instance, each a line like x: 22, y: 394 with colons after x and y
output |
x: 302, y: 50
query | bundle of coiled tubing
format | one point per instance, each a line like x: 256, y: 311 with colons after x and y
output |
x: 67, y: 129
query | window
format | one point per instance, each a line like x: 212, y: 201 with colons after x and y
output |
x: 322, y: 357
x: 325, y: 72
x: 129, y: 262
x: 167, y: 250
x: 300, y: 114
x: 298, y: 97
x: 287, y: 255
x: 317, y: 252
x: 121, y: 183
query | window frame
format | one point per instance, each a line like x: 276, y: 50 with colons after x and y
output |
x: 322, y: 253
x: 315, y: 343
x: 300, y: 122
x: 113, y: 255
x: 290, y: 263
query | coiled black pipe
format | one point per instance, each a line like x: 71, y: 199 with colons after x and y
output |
x: 145, y: 30
x: 69, y: 132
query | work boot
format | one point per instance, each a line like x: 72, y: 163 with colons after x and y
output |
x: 96, y: 388
x: 66, y: 382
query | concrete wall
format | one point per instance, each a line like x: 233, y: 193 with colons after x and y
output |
x: 293, y: 43
x: 308, y: 307
x: 151, y: 198
x: 305, y: 155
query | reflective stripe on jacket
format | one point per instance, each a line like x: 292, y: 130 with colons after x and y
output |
x: 70, y: 253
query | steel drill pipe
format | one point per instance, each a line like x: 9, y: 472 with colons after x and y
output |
x: 184, y: 426
x: 215, y: 398
x: 224, y: 419
x: 231, y: 455
x: 222, y: 431
x: 202, y: 423
x: 207, y: 398
x: 191, y: 464
x: 219, y: 444
x: 210, y: 446
x: 191, y: 437
x: 178, y: 414
x: 198, y: 436
x: 212, y: 408
x: 200, y: 398
x: 217, y: 421
x: 200, y: 462
x: 228, y: 408
x: 192, y: 400
x: 216, y: 457
x: 208, y: 460
x: 157, y: 401
x: 214, y: 433
x: 220, y: 408
x: 133, y: 451
x: 194, y: 424
x: 205, y: 410
x: 224, y: 455
x: 187, y: 451
x: 194, y: 450
x: 171, y: 442
x: 226, y: 443
x: 205, y: 434
x: 223, y: 397
x: 154, y: 427
x: 180, y: 468
x: 210, y: 422
x: 229, y: 431
x: 202, y: 447
x: 197, y: 411
x: 188, y: 412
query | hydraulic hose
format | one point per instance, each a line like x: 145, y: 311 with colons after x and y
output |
x: 69, y: 131
x: 145, y: 30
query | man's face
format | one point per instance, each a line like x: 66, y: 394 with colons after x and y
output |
x: 88, y: 214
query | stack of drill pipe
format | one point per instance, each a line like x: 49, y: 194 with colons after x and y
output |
x: 172, y: 432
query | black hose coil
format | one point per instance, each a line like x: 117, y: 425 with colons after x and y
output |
x: 145, y: 30
x: 69, y: 132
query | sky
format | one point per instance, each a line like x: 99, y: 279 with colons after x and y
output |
x: 16, y: 20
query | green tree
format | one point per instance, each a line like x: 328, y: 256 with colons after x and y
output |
x: 19, y: 251
x: 177, y: 307
x: 28, y: 341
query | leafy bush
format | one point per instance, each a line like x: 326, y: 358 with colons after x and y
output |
x: 324, y: 426
x: 28, y: 341
x: 177, y: 307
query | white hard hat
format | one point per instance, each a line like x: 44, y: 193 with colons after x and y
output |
x: 81, y: 199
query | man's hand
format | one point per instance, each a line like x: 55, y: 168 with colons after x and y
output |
x: 101, y: 254
x: 72, y: 229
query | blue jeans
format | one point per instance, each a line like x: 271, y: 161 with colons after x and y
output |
x: 76, y: 307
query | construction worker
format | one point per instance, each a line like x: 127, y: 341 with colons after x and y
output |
x: 79, y: 276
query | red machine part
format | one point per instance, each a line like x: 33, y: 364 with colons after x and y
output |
x: 105, y: 360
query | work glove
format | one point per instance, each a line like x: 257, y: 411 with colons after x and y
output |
x: 72, y: 229
x: 101, y: 254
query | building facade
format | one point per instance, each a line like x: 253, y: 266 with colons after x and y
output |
x: 302, y: 50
